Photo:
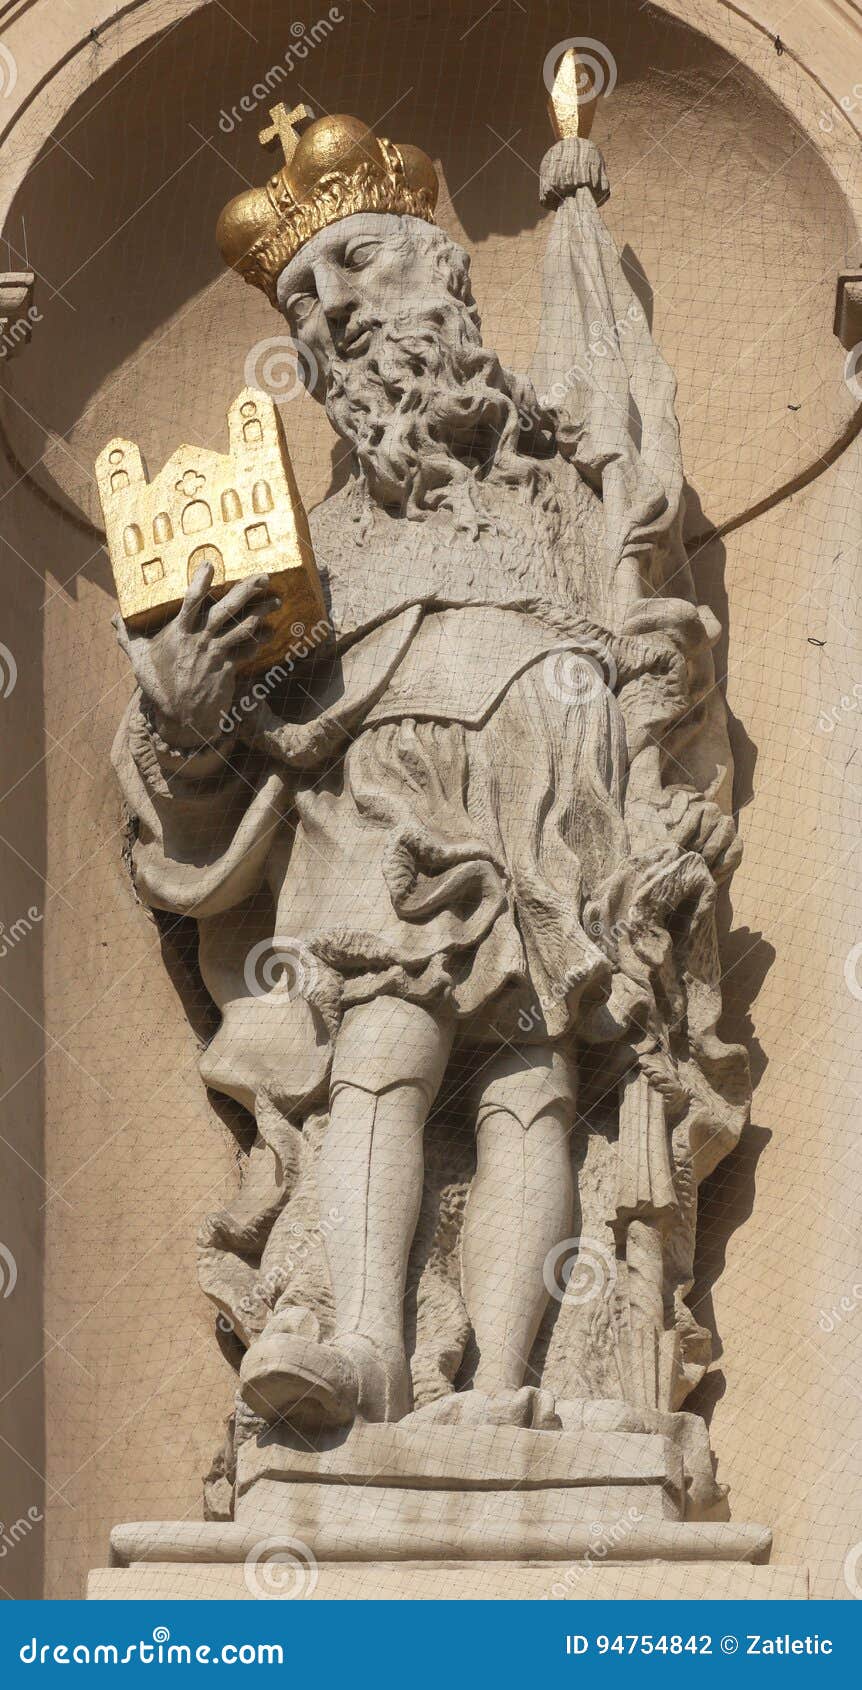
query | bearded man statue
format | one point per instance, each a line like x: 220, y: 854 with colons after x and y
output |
x: 480, y: 829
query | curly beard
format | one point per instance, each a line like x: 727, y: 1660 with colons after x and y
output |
x: 431, y: 416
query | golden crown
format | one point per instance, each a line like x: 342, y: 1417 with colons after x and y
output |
x: 334, y: 168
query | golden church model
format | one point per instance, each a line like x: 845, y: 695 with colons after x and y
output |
x: 241, y: 513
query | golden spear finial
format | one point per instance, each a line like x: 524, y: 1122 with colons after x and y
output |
x: 572, y: 105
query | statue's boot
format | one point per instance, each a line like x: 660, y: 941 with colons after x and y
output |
x: 285, y: 1376
x: 290, y: 1375
x: 389, y: 1060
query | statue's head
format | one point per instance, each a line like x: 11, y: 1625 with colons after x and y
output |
x: 348, y: 290
x: 382, y: 309
x: 343, y: 242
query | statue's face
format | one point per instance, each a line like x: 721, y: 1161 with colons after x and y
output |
x: 382, y: 307
x: 350, y: 280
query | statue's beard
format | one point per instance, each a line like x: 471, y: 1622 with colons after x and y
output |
x: 431, y: 415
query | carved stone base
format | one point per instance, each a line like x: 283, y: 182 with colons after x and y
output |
x: 390, y: 1510
x: 495, y: 1581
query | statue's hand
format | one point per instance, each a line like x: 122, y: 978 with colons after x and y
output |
x: 688, y: 628
x: 671, y: 638
x: 570, y: 165
x: 187, y: 669
x: 697, y: 824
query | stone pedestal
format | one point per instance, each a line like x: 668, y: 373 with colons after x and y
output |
x: 437, y: 1511
x: 488, y: 1581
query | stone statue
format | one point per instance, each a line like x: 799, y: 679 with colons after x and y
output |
x: 457, y: 862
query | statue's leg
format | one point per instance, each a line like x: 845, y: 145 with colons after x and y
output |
x: 389, y: 1060
x: 520, y: 1207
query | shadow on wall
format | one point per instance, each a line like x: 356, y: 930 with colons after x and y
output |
x: 726, y: 1199
x: 25, y: 908
x: 746, y: 957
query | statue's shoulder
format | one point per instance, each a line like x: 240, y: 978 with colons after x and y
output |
x: 577, y: 496
x: 332, y: 521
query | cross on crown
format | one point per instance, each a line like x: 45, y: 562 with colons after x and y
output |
x: 283, y: 128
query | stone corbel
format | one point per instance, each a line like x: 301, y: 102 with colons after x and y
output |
x: 848, y: 309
